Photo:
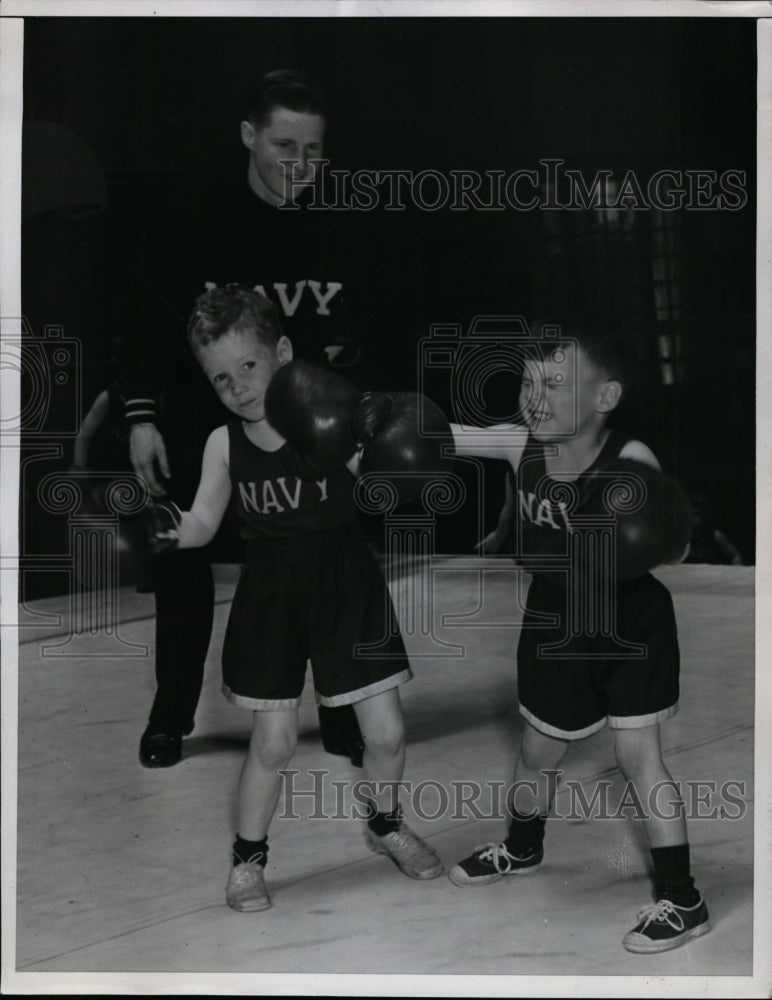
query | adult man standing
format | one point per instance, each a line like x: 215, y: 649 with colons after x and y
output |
x: 265, y: 235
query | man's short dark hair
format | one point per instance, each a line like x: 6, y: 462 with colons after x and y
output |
x: 602, y: 339
x: 235, y: 307
x: 283, y: 88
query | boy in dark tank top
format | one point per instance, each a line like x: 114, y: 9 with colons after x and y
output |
x: 310, y: 589
x: 573, y: 681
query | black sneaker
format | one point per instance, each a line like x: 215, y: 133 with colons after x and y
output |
x: 492, y: 862
x: 664, y: 925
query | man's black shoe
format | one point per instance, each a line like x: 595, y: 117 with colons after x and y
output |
x: 353, y: 749
x: 158, y: 749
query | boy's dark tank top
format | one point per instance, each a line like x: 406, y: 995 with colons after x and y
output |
x: 540, y: 524
x: 269, y: 502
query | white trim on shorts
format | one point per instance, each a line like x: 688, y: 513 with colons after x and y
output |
x: 348, y: 698
x: 260, y: 704
x: 562, y: 734
x: 352, y: 697
x: 613, y: 721
x: 640, y: 721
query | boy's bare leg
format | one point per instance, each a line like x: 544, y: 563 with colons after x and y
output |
x: 383, y: 730
x: 539, y: 755
x: 639, y: 755
x: 271, y: 746
x: 273, y: 741
x: 680, y: 914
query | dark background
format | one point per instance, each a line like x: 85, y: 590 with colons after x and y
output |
x: 159, y: 100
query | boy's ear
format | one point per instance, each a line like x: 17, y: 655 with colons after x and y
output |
x: 247, y: 134
x: 610, y: 395
x: 284, y: 350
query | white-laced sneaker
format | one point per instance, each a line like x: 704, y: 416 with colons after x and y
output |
x: 409, y: 853
x: 665, y: 925
x: 246, y: 890
x: 491, y: 862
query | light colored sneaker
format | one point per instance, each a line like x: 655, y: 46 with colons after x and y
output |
x: 246, y: 890
x: 409, y: 853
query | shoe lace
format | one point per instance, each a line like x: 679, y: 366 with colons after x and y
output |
x: 663, y: 912
x: 496, y: 855
x: 406, y: 838
x: 255, y: 860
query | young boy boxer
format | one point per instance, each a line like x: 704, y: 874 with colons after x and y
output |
x: 569, y: 388
x: 310, y: 589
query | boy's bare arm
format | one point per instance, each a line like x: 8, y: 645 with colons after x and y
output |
x: 200, y: 523
x: 637, y: 451
x: 502, y: 441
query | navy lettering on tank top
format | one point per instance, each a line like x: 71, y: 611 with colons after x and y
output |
x: 271, y: 503
x: 541, y: 521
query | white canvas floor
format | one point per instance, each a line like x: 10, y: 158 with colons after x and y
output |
x: 122, y: 869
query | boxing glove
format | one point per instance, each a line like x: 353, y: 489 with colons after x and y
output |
x: 312, y: 408
x: 405, y: 435
x: 653, y: 515
x: 160, y: 523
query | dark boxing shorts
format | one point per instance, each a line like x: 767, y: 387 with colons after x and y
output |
x: 317, y: 597
x: 621, y: 671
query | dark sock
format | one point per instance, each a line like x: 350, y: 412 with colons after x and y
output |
x: 244, y: 850
x: 672, y: 879
x: 382, y: 823
x: 526, y: 834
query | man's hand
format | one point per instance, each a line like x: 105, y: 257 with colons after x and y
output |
x: 146, y: 447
